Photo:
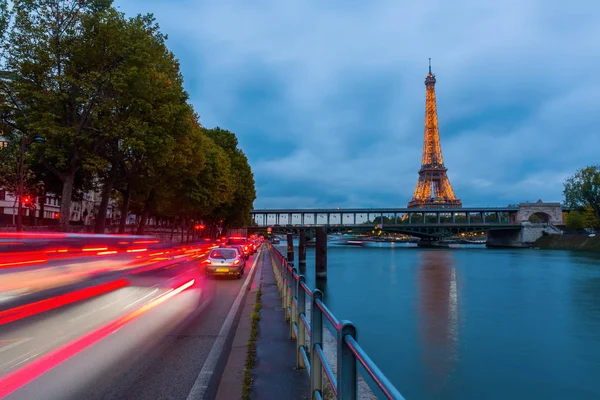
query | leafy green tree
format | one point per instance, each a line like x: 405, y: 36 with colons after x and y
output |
x: 10, y: 169
x: 63, y: 56
x: 589, y: 218
x: 235, y: 213
x: 583, y: 189
x: 147, y: 115
x: 574, y: 220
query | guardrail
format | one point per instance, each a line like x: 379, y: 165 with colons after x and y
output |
x: 293, y: 291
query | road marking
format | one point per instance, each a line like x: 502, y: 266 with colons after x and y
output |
x: 14, y: 344
x: 201, y: 385
x: 138, y: 300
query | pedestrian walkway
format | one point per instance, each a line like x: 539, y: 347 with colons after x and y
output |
x: 275, y: 375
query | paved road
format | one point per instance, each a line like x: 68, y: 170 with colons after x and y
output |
x: 157, y: 356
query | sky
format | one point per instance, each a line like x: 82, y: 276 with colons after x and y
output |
x: 327, y: 97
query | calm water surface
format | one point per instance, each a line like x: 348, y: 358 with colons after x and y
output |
x: 472, y: 323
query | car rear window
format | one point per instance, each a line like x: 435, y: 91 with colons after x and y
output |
x: 225, y: 254
x: 236, y: 241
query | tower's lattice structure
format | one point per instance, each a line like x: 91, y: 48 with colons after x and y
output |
x: 433, y: 187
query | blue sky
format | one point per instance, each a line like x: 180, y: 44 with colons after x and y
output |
x: 327, y: 97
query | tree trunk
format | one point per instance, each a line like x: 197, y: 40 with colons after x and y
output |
x: 124, y: 210
x: 109, y: 183
x: 65, y: 202
x: 42, y: 200
x: 172, y: 230
x: 182, y: 229
x: 147, y: 207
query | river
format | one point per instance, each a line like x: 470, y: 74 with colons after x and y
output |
x: 471, y: 322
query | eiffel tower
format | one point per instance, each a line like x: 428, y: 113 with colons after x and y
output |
x: 433, y: 187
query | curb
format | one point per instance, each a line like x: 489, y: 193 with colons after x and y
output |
x: 232, y: 378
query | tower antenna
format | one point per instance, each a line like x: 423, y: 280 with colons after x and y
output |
x: 430, y: 65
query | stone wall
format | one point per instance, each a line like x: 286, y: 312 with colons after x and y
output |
x: 524, y: 237
x: 552, y: 210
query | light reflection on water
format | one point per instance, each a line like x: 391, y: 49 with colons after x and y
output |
x: 438, y: 313
x: 472, y: 323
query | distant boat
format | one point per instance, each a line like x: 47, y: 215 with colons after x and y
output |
x: 354, y: 243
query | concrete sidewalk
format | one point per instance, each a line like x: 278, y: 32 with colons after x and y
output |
x: 275, y: 375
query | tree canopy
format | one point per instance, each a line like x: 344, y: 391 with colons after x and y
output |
x: 107, y: 95
x: 582, y: 190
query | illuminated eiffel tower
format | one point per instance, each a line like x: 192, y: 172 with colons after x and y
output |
x: 433, y: 187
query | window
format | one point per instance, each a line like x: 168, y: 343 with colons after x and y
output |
x: 2, y: 194
x: 226, y: 254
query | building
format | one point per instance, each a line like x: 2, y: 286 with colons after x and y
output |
x: 82, y: 212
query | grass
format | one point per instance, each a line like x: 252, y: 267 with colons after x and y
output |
x: 251, y: 356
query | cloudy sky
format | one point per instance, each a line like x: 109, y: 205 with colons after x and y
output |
x: 327, y: 96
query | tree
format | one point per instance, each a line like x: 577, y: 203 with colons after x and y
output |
x: 236, y: 212
x: 589, y: 219
x: 146, y: 115
x: 583, y: 189
x: 10, y: 171
x: 574, y: 220
x: 64, y: 57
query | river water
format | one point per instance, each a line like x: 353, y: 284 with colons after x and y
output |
x: 472, y: 322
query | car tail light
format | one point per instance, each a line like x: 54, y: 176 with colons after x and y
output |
x: 246, y: 248
x: 236, y: 262
x: 206, y: 262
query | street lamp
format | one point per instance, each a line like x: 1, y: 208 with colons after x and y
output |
x: 24, y: 144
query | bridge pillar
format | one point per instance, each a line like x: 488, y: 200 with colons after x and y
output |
x: 302, y: 249
x: 321, y: 253
x: 290, y: 247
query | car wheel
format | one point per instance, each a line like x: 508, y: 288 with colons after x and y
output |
x: 239, y: 275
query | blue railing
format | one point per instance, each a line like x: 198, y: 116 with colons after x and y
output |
x: 293, y: 290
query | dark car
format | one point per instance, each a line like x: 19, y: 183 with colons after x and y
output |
x: 225, y: 261
x: 241, y: 241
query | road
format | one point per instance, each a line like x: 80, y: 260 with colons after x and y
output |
x: 159, y: 355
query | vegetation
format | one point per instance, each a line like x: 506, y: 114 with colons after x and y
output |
x: 582, y: 193
x: 584, y: 219
x: 251, y: 357
x: 106, y: 94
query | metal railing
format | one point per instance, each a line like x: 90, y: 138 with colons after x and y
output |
x: 293, y: 290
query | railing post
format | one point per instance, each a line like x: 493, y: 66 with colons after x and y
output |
x: 293, y: 309
x: 316, y: 339
x: 301, y: 296
x: 346, y: 363
x: 286, y: 282
x: 290, y: 247
x: 288, y: 289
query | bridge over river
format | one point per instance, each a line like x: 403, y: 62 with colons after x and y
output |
x: 505, y: 225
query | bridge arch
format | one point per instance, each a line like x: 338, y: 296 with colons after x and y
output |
x: 540, y: 212
x: 540, y: 216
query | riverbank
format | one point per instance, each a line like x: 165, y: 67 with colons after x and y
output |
x: 569, y: 242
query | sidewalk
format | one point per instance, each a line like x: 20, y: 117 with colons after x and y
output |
x: 274, y: 375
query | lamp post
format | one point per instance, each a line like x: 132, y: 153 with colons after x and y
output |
x: 24, y: 144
